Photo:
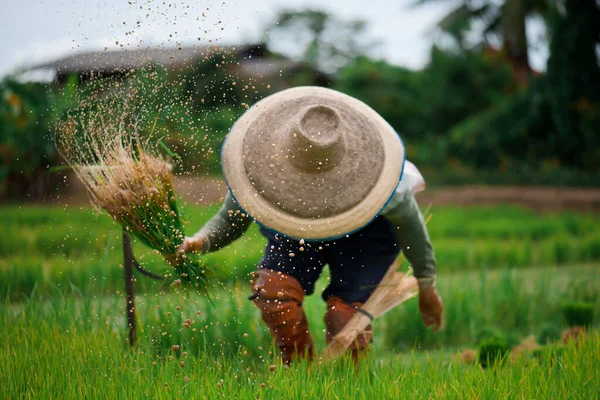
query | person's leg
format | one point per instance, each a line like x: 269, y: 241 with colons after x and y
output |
x: 357, y: 264
x: 284, y: 277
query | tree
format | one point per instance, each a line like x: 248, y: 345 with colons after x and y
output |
x: 396, y: 93
x: 573, y: 81
x: 427, y: 103
x: 554, y: 124
x: 318, y: 38
x: 512, y: 25
x: 506, y: 20
x: 26, y: 147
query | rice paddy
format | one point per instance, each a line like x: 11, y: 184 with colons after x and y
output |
x: 64, y: 325
x: 43, y: 359
x: 59, y: 246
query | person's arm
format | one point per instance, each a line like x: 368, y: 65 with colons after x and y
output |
x: 411, y: 234
x: 412, y: 237
x: 223, y: 228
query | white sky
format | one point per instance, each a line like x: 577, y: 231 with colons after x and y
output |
x: 35, y: 31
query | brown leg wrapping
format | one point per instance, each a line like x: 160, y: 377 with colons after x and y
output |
x: 279, y: 297
x: 337, y: 316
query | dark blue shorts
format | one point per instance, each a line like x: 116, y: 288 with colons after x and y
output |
x: 357, y: 262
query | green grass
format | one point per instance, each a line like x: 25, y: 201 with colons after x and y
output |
x: 63, y: 326
x: 67, y: 355
x: 516, y: 301
x: 47, y: 247
x: 43, y: 247
x: 74, y: 253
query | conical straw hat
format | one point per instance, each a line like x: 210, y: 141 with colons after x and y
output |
x: 312, y: 163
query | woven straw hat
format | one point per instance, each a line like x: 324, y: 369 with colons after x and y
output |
x: 312, y: 163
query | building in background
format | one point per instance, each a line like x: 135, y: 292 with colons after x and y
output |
x: 253, y: 62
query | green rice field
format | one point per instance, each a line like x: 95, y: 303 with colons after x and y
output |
x: 501, y: 269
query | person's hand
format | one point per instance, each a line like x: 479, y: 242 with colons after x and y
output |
x: 431, y: 306
x: 192, y: 244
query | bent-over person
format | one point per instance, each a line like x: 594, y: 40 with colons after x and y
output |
x: 322, y: 175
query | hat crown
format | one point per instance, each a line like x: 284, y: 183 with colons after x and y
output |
x: 311, y: 162
x: 316, y: 140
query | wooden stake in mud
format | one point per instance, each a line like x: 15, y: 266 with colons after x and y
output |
x: 129, y: 264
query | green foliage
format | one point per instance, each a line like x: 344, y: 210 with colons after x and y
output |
x: 426, y: 104
x: 461, y: 84
x: 551, y: 353
x: 548, y: 333
x: 573, y: 79
x: 551, y: 126
x: 581, y: 290
x: 26, y: 148
x: 493, y: 350
x: 544, y: 134
x: 489, y: 335
x: 578, y: 313
x: 514, y: 134
x: 393, y: 92
x: 504, y: 19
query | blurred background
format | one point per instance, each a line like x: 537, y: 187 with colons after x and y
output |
x: 497, y: 102
x: 481, y: 91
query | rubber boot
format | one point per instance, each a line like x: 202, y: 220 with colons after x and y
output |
x: 337, y: 316
x: 279, y: 297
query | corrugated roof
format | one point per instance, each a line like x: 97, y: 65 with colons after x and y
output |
x: 122, y: 60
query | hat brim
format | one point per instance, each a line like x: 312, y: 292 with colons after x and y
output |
x: 326, y: 228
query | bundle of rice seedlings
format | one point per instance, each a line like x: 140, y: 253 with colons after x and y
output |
x: 394, y: 289
x: 127, y: 178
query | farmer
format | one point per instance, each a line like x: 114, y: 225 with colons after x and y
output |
x: 319, y: 171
